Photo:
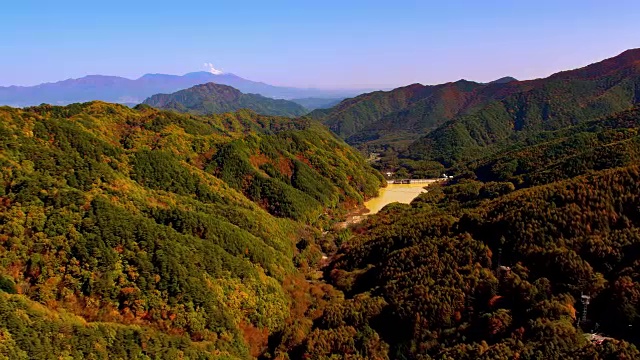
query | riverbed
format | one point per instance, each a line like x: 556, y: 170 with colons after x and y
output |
x: 402, y: 193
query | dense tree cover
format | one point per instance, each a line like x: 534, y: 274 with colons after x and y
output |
x: 212, y: 98
x: 559, y: 101
x: 493, y: 264
x: 550, y: 156
x: 29, y: 330
x: 480, y: 271
x: 142, y: 233
x: 393, y: 119
x: 461, y: 121
x: 138, y: 233
x: 453, y: 121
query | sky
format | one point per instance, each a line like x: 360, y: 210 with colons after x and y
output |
x: 307, y: 43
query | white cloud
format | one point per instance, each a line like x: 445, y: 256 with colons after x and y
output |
x: 213, y: 70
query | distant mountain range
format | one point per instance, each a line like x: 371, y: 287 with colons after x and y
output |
x: 126, y: 91
x: 212, y: 98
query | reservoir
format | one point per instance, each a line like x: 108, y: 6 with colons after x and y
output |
x: 402, y: 193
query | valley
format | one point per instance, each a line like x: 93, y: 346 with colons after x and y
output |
x: 401, y: 193
x: 223, y: 218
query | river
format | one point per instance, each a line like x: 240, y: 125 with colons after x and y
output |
x: 402, y: 193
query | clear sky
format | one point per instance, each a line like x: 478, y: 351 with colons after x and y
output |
x: 321, y: 43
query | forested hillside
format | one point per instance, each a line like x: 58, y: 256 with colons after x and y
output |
x: 494, y: 264
x: 139, y: 233
x: 561, y: 100
x: 458, y: 121
x: 212, y: 98
x: 395, y: 118
x: 547, y: 156
x: 142, y: 233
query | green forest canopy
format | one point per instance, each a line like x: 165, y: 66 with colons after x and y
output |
x: 137, y: 233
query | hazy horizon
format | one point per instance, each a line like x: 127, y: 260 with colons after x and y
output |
x: 332, y: 45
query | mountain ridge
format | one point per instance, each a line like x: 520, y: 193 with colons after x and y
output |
x: 212, y: 98
x: 375, y: 118
x: 503, y: 80
x: 394, y: 119
x: 560, y: 100
x: 123, y: 90
x: 175, y: 234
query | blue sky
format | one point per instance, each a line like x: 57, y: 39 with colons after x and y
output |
x: 324, y: 43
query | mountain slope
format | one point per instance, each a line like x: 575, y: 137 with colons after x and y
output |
x: 398, y: 117
x: 213, y: 98
x: 427, y: 283
x: 147, y: 233
x: 551, y: 156
x: 495, y: 267
x: 123, y: 90
x: 562, y: 100
x: 483, y: 113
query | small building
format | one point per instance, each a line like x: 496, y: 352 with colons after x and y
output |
x: 597, y: 338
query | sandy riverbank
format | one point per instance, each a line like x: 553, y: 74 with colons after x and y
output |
x: 402, y: 193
